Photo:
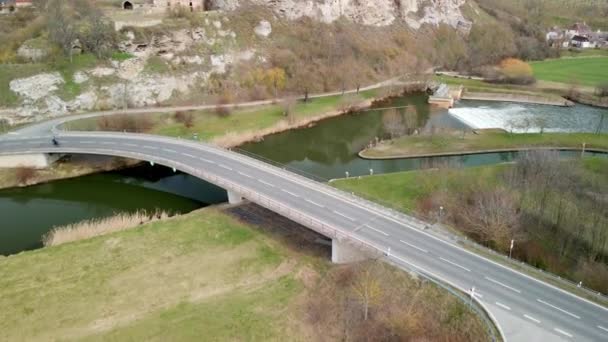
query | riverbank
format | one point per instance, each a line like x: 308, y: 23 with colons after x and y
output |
x: 199, y: 275
x: 76, y: 166
x: 454, y: 143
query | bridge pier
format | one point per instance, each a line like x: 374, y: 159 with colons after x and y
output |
x: 234, y: 198
x: 34, y: 160
x: 344, y: 253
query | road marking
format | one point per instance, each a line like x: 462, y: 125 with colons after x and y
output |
x: 378, y: 230
x: 244, y: 174
x: 555, y: 307
x: 87, y: 142
x: 289, y: 192
x: 601, y: 327
x: 503, y: 306
x: 532, y: 319
x: 315, y: 203
x: 108, y: 143
x: 207, y: 160
x: 33, y: 142
x: 563, y: 332
x: 188, y: 155
x: 345, y: 216
x: 477, y: 294
x: 224, y: 167
x: 150, y: 147
x: 416, y: 247
x: 130, y: 145
x: 265, y: 183
x: 168, y: 150
x: 503, y: 285
x: 455, y: 264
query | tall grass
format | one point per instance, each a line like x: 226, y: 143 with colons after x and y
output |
x: 96, y: 227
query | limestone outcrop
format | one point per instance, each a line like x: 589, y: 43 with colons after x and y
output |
x: 367, y: 12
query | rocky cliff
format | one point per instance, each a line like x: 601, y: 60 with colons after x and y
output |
x: 368, y: 12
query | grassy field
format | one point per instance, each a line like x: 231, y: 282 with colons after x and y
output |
x: 589, y: 71
x: 209, y: 276
x: 195, y: 277
x: 485, y: 140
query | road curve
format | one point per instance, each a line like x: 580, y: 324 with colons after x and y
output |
x: 526, y: 309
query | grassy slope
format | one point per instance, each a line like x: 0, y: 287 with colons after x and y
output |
x: 588, y: 71
x: 195, y: 277
x: 402, y: 190
x: 208, y: 125
x: 486, y: 140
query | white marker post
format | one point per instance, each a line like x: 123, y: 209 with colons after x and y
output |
x: 511, y: 248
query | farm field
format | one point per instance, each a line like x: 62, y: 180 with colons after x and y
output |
x: 589, y: 71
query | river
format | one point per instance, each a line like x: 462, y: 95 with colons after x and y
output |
x: 325, y: 151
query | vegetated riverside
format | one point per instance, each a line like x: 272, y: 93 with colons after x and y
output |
x: 326, y: 150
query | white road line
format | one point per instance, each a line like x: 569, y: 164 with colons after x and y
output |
x: 289, y: 192
x: 188, y: 155
x: 532, y: 319
x: 244, y: 174
x: 87, y: 142
x: 168, y: 150
x: 224, y: 167
x: 315, y: 203
x: 413, y: 246
x: 503, y: 285
x: 130, y: 145
x: 503, y: 306
x: 377, y: 230
x: 563, y: 332
x: 108, y: 143
x: 455, y: 264
x: 556, y: 308
x: 601, y: 327
x: 150, y: 147
x: 207, y: 160
x: 265, y: 183
x: 345, y: 216
x: 477, y: 294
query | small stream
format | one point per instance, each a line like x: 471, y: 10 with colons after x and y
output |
x: 325, y: 151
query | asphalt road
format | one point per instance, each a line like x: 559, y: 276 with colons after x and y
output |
x: 526, y: 309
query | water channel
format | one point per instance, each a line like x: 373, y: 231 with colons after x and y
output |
x: 327, y: 150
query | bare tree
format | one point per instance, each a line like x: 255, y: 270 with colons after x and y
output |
x: 367, y: 288
x: 61, y: 27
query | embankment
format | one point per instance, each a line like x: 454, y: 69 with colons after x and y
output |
x: 518, y: 98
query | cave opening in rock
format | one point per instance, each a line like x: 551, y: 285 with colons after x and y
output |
x: 127, y: 5
x: 208, y: 5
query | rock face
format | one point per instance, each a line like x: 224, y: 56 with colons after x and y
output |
x: 368, y: 12
x: 264, y: 29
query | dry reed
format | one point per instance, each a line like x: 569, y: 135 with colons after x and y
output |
x: 96, y: 227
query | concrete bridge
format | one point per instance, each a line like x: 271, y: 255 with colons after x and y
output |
x: 524, y: 308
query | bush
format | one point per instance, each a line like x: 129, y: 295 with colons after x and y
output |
x: 223, y: 107
x: 516, y: 71
x: 185, y: 118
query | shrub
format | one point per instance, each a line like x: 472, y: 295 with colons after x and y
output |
x: 223, y: 107
x: 185, y: 118
x: 516, y: 71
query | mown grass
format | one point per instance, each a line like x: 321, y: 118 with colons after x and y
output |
x: 589, y: 71
x: 485, y: 140
x: 181, y: 279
